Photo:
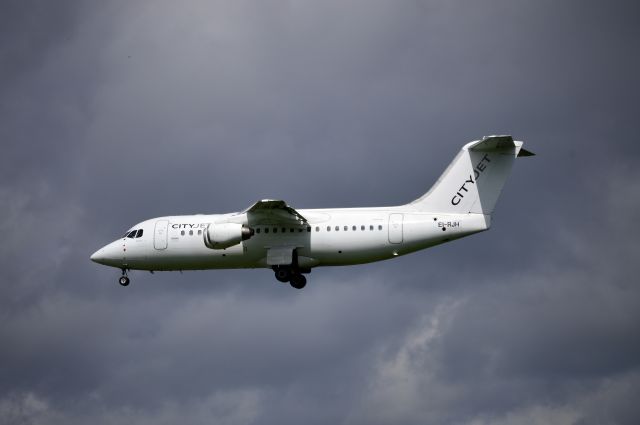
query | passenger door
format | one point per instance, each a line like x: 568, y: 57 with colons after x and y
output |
x: 160, y: 234
x: 395, y: 228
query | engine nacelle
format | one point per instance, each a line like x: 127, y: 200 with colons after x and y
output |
x: 224, y: 235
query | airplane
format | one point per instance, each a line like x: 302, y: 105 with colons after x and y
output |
x: 271, y: 234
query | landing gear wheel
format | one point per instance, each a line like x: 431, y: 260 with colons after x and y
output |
x: 283, y: 274
x: 298, y: 281
x: 124, y: 281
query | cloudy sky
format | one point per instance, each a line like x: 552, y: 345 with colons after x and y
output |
x: 115, y: 112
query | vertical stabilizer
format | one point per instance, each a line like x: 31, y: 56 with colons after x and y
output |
x: 474, y: 180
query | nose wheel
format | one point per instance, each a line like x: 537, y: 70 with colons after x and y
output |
x: 124, y: 279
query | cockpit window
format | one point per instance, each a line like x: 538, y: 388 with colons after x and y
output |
x: 139, y: 233
x: 132, y: 234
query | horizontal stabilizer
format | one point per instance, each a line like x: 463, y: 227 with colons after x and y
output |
x: 524, y: 152
x: 492, y: 144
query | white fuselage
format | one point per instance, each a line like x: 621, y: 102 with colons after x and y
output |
x: 330, y: 237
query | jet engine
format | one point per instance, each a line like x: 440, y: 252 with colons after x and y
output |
x: 224, y: 235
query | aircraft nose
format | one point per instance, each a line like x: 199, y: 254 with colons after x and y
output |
x: 108, y: 255
x: 98, y: 256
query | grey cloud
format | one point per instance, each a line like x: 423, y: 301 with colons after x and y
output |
x: 112, y: 114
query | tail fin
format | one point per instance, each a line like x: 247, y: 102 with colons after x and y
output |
x: 473, y: 181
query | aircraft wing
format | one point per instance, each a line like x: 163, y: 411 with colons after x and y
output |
x: 271, y: 211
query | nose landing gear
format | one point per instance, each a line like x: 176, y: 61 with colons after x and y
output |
x: 124, y: 279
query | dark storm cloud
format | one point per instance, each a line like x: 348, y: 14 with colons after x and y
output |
x: 115, y: 113
x: 28, y: 32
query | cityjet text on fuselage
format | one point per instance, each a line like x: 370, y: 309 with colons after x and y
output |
x: 189, y: 225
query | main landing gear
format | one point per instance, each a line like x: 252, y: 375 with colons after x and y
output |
x: 288, y: 274
x: 124, y: 279
x: 298, y: 281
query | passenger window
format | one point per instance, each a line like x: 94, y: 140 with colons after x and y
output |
x: 266, y: 230
x: 337, y: 228
x: 190, y: 232
x: 346, y: 228
x: 328, y: 228
x: 317, y: 229
x: 379, y: 227
x: 291, y: 230
x: 182, y: 232
x: 371, y: 227
x: 132, y: 234
x: 354, y: 228
x: 284, y: 229
x: 139, y: 233
x: 275, y: 230
x: 362, y: 227
x: 308, y: 229
x: 257, y: 230
x: 199, y: 232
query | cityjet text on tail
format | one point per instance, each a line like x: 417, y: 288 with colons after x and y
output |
x: 271, y: 234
